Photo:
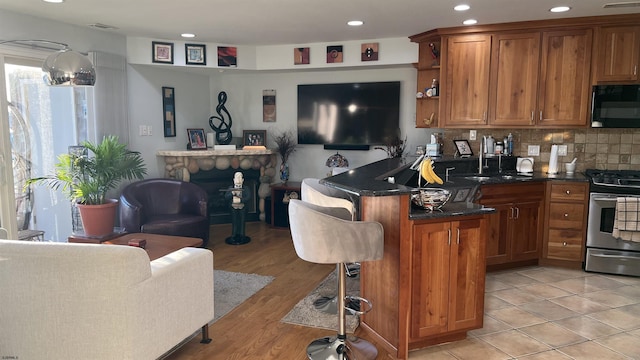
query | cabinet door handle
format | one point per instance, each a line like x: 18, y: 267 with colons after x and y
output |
x: 568, y: 192
x: 449, y: 241
x: 458, y: 236
x: 517, y: 213
x: 566, y: 215
x: 512, y: 216
x: 540, y: 115
x: 635, y: 69
x: 564, y: 243
x: 484, y: 116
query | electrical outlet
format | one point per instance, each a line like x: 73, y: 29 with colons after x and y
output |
x: 533, y: 150
x: 142, y: 130
x: 472, y: 134
x: 149, y: 133
x: 562, y: 150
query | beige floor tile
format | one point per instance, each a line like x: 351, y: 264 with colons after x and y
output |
x: 546, y: 355
x: 629, y: 280
x: 431, y: 353
x: 544, y: 275
x: 579, y: 304
x: 634, y: 333
x: 610, y: 298
x: 489, y: 325
x: 587, y: 327
x: 632, y: 292
x: 591, y: 351
x: 603, y: 283
x: 516, y: 317
x: 514, y: 279
x: 622, y: 343
x: 492, y: 302
x: 552, y: 334
x: 570, y: 273
x: 515, y: 343
x: 548, y: 310
x: 545, y: 291
x: 472, y: 349
x: 494, y: 285
x: 516, y: 296
x: 618, y: 318
x: 633, y: 310
x: 576, y: 286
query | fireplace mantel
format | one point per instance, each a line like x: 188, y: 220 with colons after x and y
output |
x: 180, y: 164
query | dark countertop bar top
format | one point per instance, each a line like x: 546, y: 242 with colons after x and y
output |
x: 373, y: 180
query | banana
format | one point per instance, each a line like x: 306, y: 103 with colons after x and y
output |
x: 435, y: 176
x: 424, y: 170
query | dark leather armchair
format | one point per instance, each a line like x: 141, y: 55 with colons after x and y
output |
x: 165, y: 206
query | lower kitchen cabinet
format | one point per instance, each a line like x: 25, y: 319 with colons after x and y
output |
x: 515, y: 230
x: 565, y: 223
x: 448, y: 274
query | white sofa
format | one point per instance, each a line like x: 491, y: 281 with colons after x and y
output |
x: 86, y: 301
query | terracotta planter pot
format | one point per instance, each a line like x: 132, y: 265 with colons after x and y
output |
x: 98, y: 220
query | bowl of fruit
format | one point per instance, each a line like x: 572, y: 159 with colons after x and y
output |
x: 430, y: 198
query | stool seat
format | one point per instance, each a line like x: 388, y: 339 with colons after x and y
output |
x: 326, y: 235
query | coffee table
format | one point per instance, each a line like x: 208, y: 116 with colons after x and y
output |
x: 157, y: 245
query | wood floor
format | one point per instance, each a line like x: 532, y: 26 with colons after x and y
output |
x: 253, y: 330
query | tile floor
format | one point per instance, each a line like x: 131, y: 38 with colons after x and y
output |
x: 538, y: 313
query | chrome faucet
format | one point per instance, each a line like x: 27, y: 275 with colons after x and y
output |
x: 446, y: 176
x: 480, y: 159
x: 500, y: 163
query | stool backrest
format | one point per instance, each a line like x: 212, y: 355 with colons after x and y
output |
x: 326, y: 235
x: 315, y: 193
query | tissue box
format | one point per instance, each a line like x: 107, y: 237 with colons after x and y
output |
x: 433, y: 150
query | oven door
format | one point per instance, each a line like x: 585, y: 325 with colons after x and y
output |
x: 602, y: 212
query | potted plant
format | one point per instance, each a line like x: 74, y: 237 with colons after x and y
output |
x: 285, y: 147
x: 86, y: 179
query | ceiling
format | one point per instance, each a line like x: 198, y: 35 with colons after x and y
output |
x: 261, y: 22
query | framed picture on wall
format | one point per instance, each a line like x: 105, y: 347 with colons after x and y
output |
x: 195, y: 54
x: 169, y: 111
x: 162, y: 52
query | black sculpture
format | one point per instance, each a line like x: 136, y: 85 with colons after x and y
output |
x: 223, y: 131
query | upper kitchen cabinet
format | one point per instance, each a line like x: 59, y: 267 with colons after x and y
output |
x: 513, y: 91
x: 565, y: 87
x: 465, y: 89
x: 617, y: 53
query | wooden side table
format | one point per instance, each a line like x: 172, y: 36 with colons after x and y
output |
x: 280, y: 195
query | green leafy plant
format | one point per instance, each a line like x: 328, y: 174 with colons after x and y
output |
x: 86, y: 178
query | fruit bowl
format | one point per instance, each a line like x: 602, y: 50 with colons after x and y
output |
x: 431, y: 198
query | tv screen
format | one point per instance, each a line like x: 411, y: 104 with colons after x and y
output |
x: 348, y: 116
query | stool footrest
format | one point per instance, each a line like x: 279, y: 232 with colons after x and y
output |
x: 352, y: 311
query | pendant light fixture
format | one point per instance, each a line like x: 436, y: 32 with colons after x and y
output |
x: 64, y: 67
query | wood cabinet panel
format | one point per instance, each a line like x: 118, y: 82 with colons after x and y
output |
x: 567, y: 245
x: 566, y: 215
x: 515, y: 61
x: 526, y: 236
x: 568, y: 191
x: 466, y: 90
x: 565, y: 85
x: 618, y: 53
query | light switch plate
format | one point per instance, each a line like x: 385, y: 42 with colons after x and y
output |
x: 533, y: 150
x: 472, y: 134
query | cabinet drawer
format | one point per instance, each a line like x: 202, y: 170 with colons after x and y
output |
x: 569, y: 191
x: 565, y: 244
x: 566, y: 216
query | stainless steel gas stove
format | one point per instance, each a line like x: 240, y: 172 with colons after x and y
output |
x: 606, y: 253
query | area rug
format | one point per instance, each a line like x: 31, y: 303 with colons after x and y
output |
x: 305, y: 314
x: 231, y: 289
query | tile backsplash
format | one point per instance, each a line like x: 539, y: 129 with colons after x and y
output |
x: 612, y: 149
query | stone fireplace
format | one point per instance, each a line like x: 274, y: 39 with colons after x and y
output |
x: 213, y: 170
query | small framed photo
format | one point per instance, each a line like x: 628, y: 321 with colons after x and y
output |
x: 195, y: 54
x: 162, y: 52
x: 197, y: 139
x: 227, y: 56
x: 334, y: 54
x: 254, y: 137
x: 463, y: 147
x: 301, y: 55
x: 169, y: 111
x: 369, y: 52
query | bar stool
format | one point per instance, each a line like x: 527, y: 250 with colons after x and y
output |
x: 326, y: 235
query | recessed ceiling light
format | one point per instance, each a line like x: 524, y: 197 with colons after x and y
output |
x: 355, y: 22
x: 54, y: 1
x: 188, y: 35
x: 560, y: 9
x: 462, y: 7
x: 470, y: 22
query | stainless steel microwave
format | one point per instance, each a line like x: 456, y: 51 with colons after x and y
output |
x: 615, y: 106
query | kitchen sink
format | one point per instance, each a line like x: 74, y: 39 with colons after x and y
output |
x: 516, y: 177
x: 478, y: 178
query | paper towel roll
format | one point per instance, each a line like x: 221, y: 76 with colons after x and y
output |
x: 210, y: 141
x: 553, y: 160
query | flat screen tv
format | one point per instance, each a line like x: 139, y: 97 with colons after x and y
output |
x: 349, y: 115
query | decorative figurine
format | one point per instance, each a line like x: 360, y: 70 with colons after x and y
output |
x: 238, y: 196
x: 223, y: 131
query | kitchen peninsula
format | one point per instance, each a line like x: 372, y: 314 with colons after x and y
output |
x: 429, y: 286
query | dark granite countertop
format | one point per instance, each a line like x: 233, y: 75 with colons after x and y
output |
x: 374, y: 180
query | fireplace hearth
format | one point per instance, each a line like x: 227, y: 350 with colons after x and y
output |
x: 216, y: 181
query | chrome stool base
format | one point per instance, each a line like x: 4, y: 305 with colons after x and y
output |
x: 329, y: 305
x: 333, y: 348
